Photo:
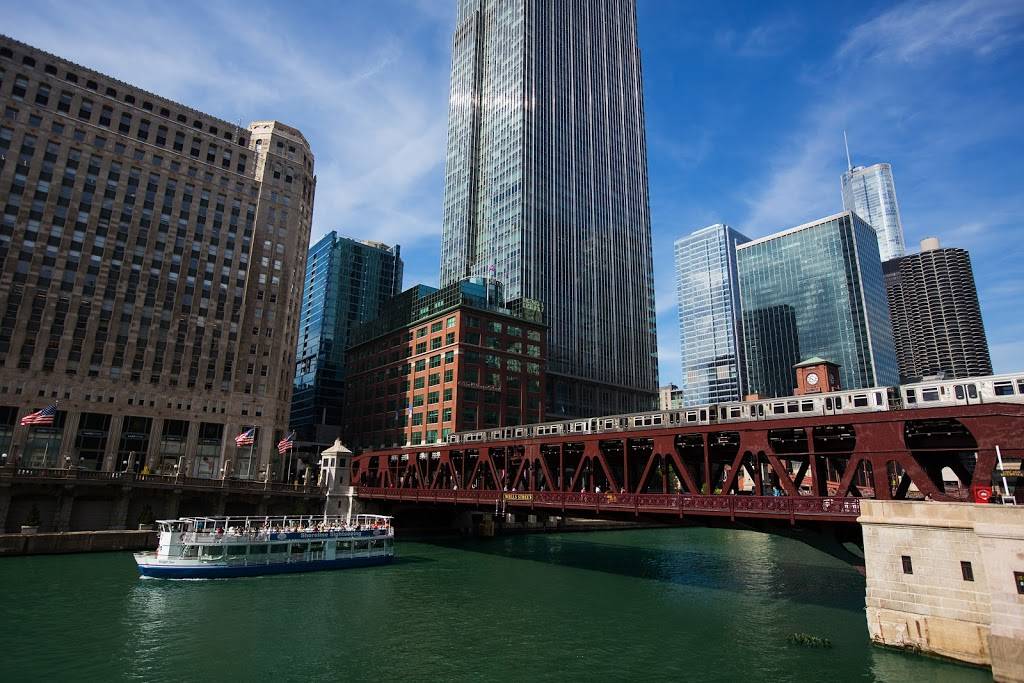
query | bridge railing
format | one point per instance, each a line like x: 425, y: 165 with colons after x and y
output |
x: 677, y: 504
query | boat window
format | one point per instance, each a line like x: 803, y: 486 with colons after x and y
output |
x: 236, y: 550
x: 190, y: 551
x: 807, y: 406
x: 278, y: 548
x: 257, y: 550
x: 299, y: 548
x: 316, y: 546
x: 911, y: 396
x: 860, y: 401
x: 362, y: 545
x: 1003, y: 388
x: 344, y: 546
x: 211, y: 552
x: 930, y: 394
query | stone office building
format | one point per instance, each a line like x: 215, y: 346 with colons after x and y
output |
x: 151, y: 263
x: 443, y: 361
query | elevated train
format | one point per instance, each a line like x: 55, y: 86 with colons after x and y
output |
x: 925, y: 394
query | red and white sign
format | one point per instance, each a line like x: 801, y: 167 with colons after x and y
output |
x: 982, y: 494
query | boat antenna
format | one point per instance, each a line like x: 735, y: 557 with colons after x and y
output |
x: 849, y: 164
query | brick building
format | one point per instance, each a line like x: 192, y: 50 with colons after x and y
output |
x: 446, y: 360
x: 151, y: 261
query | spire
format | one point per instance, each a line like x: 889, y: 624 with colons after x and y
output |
x: 849, y: 164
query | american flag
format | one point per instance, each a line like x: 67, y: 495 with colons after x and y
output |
x: 41, y: 417
x: 286, y: 444
x: 246, y: 438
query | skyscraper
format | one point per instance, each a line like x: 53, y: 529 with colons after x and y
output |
x: 815, y: 290
x: 348, y: 281
x: 936, y: 317
x: 707, y: 293
x: 148, y: 273
x: 870, y: 192
x: 546, y: 187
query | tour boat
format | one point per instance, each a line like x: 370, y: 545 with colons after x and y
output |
x: 222, y: 547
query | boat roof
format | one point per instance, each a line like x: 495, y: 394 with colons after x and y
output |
x: 276, y: 518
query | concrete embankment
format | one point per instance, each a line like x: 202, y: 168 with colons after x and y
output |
x: 76, y: 542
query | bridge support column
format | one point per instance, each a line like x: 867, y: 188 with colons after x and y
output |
x: 942, y: 578
x: 119, y: 520
x: 5, y: 502
x: 173, y: 504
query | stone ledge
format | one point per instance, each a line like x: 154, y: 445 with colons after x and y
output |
x: 76, y: 542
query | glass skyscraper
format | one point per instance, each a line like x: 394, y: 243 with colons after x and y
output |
x: 707, y: 293
x: 546, y: 187
x: 347, y: 283
x: 815, y: 290
x: 871, y: 194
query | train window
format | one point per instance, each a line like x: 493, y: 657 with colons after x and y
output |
x: 1003, y: 388
x: 972, y: 391
x: 778, y: 408
x: 878, y: 398
x: 860, y: 401
x: 691, y: 416
x: 792, y: 406
x: 608, y: 424
x: 657, y: 419
x: 839, y: 402
x: 1020, y: 386
x: 760, y: 409
x: 807, y: 406
x: 911, y: 396
x: 958, y: 391
x: 930, y: 394
x: 703, y: 415
x: 828, y: 404
x: 735, y: 412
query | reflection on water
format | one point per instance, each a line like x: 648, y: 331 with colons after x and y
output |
x: 672, y: 604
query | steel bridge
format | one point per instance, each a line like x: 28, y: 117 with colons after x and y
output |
x: 797, y: 469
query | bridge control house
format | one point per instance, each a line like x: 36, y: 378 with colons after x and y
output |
x: 440, y: 361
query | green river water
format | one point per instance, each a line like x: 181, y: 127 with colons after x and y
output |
x: 668, y: 604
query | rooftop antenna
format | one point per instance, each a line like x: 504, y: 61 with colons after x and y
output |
x: 849, y: 164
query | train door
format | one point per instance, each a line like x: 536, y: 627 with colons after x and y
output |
x: 966, y: 394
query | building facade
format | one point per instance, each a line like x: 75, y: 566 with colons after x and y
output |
x: 546, y: 188
x: 442, y: 361
x: 815, y: 290
x: 870, y: 192
x: 670, y: 397
x: 348, y: 282
x: 149, y: 261
x: 936, y: 317
x: 708, y: 298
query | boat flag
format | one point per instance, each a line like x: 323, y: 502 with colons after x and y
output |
x: 41, y: 417
x: 286, y: 444
x: 246, y: 438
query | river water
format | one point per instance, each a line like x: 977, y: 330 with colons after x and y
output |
x: 668, y: 604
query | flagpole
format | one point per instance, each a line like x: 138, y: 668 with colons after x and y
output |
x: 252, y: 447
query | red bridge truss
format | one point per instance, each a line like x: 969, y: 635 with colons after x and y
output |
x: 813, y: 468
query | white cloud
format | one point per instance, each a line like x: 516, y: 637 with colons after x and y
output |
x: 919, y: 31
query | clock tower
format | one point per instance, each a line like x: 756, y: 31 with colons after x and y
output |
x: 815, y: 376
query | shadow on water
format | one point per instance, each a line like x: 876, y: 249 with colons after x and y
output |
x: 760, y: 567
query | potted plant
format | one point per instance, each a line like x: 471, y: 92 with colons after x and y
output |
x: 146, y: 519
x: 31, y: 525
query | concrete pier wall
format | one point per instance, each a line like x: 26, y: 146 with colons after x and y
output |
x: 947, y: 579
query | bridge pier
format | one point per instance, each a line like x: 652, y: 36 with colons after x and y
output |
x: 947, y: 579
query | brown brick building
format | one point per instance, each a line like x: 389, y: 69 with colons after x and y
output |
x: 439, y: 361
x: 151, y: 261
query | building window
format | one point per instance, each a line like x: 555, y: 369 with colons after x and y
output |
x: 967, y: 570
x: 451, y: 321
x: 1018, y: 577
x: 908, y: 567
x: 436, y: 327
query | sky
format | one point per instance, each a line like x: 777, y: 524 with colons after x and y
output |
x: 746, y: 104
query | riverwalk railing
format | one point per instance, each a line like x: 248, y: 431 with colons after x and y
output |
x: 40, y: 474
x: 680, y: 504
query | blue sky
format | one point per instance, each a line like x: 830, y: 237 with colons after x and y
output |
x: 746, y: 103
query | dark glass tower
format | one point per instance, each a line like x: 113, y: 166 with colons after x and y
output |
x: 347, y: 283
x: 936, y: 317
x: 546, y: 187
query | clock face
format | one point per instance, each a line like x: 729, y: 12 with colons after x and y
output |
x: 812, y: 378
